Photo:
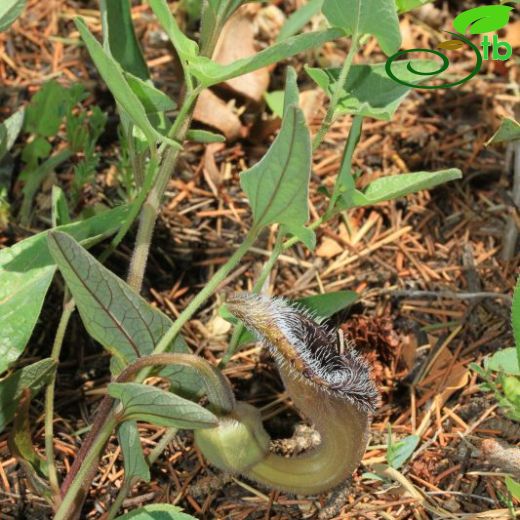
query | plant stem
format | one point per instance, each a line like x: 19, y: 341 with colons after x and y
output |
x: 68, y: 308
x: 118, y: 502
x: 205, y: 293
x: 152, y: 203
x: 68, y: 505
x: 336, y: 95
x: 126, y: 487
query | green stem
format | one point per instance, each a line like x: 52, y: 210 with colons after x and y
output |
x: 69, y: 504
x: 118, y: 502
x: 152, y: 203
x: 336, y: 95
x: 205, y: 293
x: 168, y: 436
x: 68, y: 309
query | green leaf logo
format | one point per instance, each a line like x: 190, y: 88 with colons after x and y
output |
x: 483, y: 19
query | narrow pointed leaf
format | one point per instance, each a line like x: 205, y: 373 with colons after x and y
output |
x: 210, y: 73
x: 9, y: 131
x: 26, y: 271
x: 299, y: 19
x: 325, y: 305
x: 277, y: 186
x: 152, y: 99
x: 113, y: 76
x: 156, y: 406
x: 10, y: 10
x: 185, y: 47
x: 133, y: 456
x: 119, y: 35
x: 392, y: 187
x: 376, y: 17
x: 21, y: 446
x: 509, y: 130
x: 32, y: 377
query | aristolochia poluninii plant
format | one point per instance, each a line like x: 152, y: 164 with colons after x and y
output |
x: 334, y: 390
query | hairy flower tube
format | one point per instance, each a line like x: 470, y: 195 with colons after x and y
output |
x: 332, y: 388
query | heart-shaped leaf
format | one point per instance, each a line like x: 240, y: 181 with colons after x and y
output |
x: 278, y: 185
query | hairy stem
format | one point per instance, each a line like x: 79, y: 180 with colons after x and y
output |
x: 153, y: 200
x: 68, y: 309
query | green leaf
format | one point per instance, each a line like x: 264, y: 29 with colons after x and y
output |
x: 504, y: 361
x: 26, y: 271
x: 325, y: 305
x: 133, y: 456
x: 376, y: 17
x: 274, y: 101
x: 119, y: 36
x: 47, y: 109
x: 210, y: 73
x: 403, y: 6
x: 394, y: 186
x: 203, y: 136
x: 32, y: 377
x: 186, y: 48
x: 157, y: 512
x: 299, y: 19
x: 277, y: 186
x: 511, y: 388
x: 368, y: 90
x: 113, y: 76
x: 483, y: 19
x: 398, y: 453
x: 515, y: 318
x: 22, y: 448
x: 149, y: 404
x: 9, y: 131
x: 152, y: 99
x: 513, y: 487
x: 60, y: 208
x: 9, y: 11
x: 509, y: 130
x: 114, y: 314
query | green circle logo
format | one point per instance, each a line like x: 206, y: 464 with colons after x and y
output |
x: 443, y: 67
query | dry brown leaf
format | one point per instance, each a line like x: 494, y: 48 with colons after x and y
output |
x: 211, y: 170
x: 310, y: 102
x: 512, y: 34
x: 238, y: 40
x: 214, y: 112
x: 328, y: 248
